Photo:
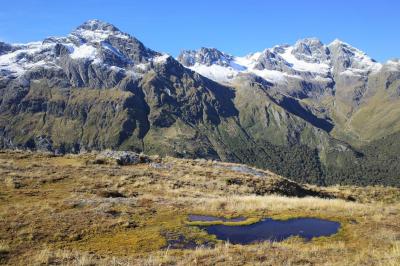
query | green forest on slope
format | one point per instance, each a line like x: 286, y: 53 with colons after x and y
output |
x: 374, y: 164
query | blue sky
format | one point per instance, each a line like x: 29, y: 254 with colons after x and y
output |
x: 237, y: 27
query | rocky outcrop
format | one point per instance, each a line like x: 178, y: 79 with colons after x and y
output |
x: 123, y: 157
x: 204, y: 56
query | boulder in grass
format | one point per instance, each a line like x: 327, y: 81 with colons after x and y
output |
x: 123, y: 157
x: 110, y: 194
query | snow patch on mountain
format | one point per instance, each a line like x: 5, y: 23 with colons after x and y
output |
x: 23, y: 58
x: 393, y: 65
x: 236, y: 65
x: 161, y: 59
x: 361, y: 62
x: 97, y: 35
x: 92, y: 41
x: 308, y: 58
x: 84, y: 51
x: 97, y: 42
x: 215, y: 72
x: 300, y: 65
x: 97, y: 31
x: 271, y: 75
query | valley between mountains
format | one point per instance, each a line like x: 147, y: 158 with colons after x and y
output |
x: 108, y: 149
x: 316, y: 113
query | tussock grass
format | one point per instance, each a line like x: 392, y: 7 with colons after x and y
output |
x: 273, y: 203
x: 49, y: 256
x: 58, y: 214
x: 4, y: 248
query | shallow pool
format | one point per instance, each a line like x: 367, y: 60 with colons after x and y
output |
x: 274, y: 230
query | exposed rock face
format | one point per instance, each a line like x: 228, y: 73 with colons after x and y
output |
x: 100, y: 88
x: 204, y: 56
x: 311, y: 50
x: 271, y: 61
x: 5, y: 48
x: 95, y: 25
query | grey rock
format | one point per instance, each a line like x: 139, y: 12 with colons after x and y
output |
x: 311, y: 50
x: 95, y: 24
x: 272, y: 61
x: 43, y: 143
x: 206, y: 56
x: 124, y: 157
x: 5, y: 48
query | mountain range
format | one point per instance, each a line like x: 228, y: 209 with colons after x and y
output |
x: 316, y: 113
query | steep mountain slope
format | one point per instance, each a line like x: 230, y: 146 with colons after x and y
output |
x: 337, y: 85
x: 100, y: 88
x: 337, y: 89
x: 292, y: 109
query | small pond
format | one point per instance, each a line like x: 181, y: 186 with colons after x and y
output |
x: 272, y: 230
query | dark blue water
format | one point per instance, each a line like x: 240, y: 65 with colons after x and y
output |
x: 274, y: 230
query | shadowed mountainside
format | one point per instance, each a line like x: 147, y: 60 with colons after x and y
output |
x: 302, y: 111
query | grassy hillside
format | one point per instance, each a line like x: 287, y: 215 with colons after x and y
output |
x: 77, y: 210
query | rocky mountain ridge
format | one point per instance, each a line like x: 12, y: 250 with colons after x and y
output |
x: 298, y: 110
x: 332, y: 81
x: 307, y: 58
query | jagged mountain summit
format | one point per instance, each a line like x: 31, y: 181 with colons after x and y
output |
x: 335, y: 81
x: 307, y: 58
x: 313, y: 112
x: 98, y: 88
x: 108, y: 53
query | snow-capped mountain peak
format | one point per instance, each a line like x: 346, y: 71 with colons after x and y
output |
x: 337, y: 42
x: 94, y: 46
x: 96, y: 24
x: 349, y: 60
x: 97, y: 31
x: 306, y: 58
x: 100, y: 45
x: 310, y: 50
x: 272, y: 64
x: 205, y: 56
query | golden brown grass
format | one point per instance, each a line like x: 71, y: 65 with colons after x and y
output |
x: 4, y: 247
x: 53, y: 210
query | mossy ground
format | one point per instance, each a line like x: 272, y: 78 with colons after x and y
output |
x: 53, y: 211
x: 248, y: 221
